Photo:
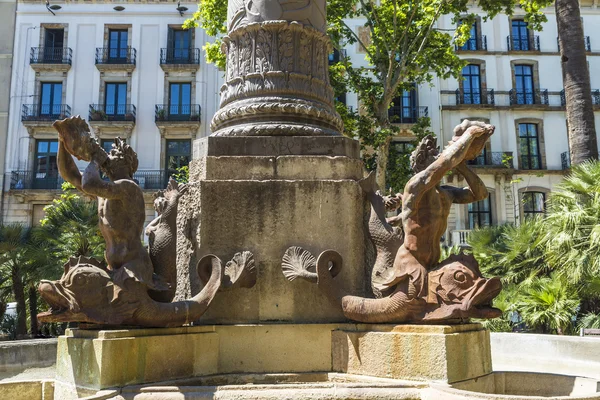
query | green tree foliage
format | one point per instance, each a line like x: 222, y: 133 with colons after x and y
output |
x: 405, y: 48
x: 551, y: 264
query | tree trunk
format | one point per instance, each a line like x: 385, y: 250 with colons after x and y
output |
x: 383, y: 152
x: 33, y: 311
x: 576, y: 77
x: 19, y: 293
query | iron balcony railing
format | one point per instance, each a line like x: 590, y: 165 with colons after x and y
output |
x: 475, y: 97
x: 523, y: 44
x: 565, y: 160
x: 44, y: 112
x: 524, y: 97
x: 174, y: 113
x: 50, y: 55
x: 23, y: 180
x: 407, y: 115
x: 588, y: 43
x: 107, y: 55
x: 112, y: 112
x: 595, y: 97
x: 179, y: 56
x: 502, y: 159
x: 473, y: 44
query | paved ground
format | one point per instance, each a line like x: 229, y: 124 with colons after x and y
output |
x: 28, y: 374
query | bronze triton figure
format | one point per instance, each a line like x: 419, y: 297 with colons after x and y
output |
x: 407, y: 275
x: 136, y: 287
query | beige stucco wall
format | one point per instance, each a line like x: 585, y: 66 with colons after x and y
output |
x: 7, y: 32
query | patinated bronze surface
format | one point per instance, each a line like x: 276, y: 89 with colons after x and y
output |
x: 136, y: 286
x: 407, y: 276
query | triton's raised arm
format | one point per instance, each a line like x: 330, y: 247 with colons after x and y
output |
x: 433, y: 174
x: 476, y: 190
x: 66, y: 166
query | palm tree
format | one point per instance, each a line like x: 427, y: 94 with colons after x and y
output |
x: 576, y: 77
x: 13, y: 262
x: 572, y: 227
x: 549, y: 304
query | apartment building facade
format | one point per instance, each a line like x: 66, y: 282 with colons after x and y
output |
x: 513, y: 80
x: 129, y: 69
x: 8, y: 9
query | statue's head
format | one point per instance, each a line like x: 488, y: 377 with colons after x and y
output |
x: 160, y: 201
x: 458, y: 281
x: 424, y: 154
x: 122, y: 161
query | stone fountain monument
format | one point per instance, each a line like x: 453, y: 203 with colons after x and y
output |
x: 273, y: 185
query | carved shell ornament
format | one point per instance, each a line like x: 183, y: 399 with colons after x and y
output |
x: 240, y: 272
x: 300, y: 263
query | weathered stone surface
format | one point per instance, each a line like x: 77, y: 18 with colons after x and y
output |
x: 434, y: 353
x: 94, y: 360
x: 276, y: 146
x: 266, y: 217
x: 27, y: 390
x: 18, y: 355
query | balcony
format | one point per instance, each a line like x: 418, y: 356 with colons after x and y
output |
x: 108, y: 59
x: 50, y: 59
x: 565, y: 160
x: 588, y: 44
x: 528, y: 97
x: 179, y: 59
x: 115, y: 119
x: 177, y: 118
x: 28, y: 180
x: 595, y: 97
x: 501, y: 159
x: 475, y: 98
x: 473, y: 44
x: 406, y: 115
x: 523, y: 44
x: 460, y: 237
x: 44, y: 113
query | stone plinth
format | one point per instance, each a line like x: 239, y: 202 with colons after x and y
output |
x: 89, y: 361
x: 265, y: 194
x: 414, y: 352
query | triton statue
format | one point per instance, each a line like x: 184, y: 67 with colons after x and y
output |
x: 136, y: 286
x: 407, y: 276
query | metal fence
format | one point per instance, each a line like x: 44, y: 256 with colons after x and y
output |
x: 174, y: 113
x: 44, y: 112
x: 50, y: 55
x: 112, y: 112
x: 179, y: 56
x: 108, y: 55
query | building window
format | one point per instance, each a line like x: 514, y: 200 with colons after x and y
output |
x: 534, y: 204
x: 524, y: 83
x: 480, y: 213
x: 520, y: 35
x: 118, y: 45
x: 45, y: 168
x: 404, y: 108
x: 480, y: 159
x: 471, y: 84
x: 178, y: 155
x: 179, y: 45
x: 115, y: 101
x: 180, y: 96
x: 471, y: 44
x: 529, y: 146
x: 53, y: 45
x: 51, y: 99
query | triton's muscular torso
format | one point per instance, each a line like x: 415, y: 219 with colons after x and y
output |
x: 425, y: 225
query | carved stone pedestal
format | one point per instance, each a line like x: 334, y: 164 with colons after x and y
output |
x: 202, y: 360
x: 265, y: 194
x: 444, y: 353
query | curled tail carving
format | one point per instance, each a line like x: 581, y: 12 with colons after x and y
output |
x: 398, y: 307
